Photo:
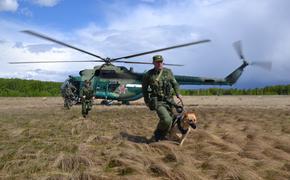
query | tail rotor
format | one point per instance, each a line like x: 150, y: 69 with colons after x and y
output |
x: 267, y: 65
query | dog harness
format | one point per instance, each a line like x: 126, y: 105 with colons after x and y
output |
x: 178, y: 121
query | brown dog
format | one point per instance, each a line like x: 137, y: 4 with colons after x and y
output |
x: 181, y: 127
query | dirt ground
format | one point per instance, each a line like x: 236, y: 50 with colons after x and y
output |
x: 238, y: 137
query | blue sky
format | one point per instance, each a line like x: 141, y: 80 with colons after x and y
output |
x: 113, y: 28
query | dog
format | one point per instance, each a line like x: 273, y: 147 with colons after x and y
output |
x: 181, y: 127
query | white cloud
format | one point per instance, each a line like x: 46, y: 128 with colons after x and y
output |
x: 46, y: 3
x: 26, y: 12
x: 39, y: 74
x: 8, y: 5
x: 261, y: 25
x: 12, y: 5
x: 17, y: 46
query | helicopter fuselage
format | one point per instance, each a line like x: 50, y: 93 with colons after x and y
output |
x: 118, y: 83
x: 112, y: 82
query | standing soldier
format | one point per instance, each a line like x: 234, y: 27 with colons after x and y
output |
x: 68, y: 93
x: 159, y: 86
x: 86, y: 95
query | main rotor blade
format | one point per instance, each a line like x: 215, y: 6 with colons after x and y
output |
x: 135, y: 62
x: 238, y: 47
x: 263, y: 64
x: 30, y: 62
x: 59, y: 42
x: 163, y: 49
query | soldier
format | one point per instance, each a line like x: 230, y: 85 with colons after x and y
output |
x: 159, y: 86
x: 86, y: 95
x: 68, y: 93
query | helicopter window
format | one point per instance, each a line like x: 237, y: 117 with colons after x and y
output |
x: 209, y: 81
x: 108, y: 74
x: 97, y: 72
x: 123, y: 68
x: 112, y: 87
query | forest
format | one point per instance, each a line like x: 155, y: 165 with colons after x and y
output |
x: 28, y: 88
x: 268, y: 90
x: 35, y: 88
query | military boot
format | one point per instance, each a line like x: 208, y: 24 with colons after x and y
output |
x: 159, y: 135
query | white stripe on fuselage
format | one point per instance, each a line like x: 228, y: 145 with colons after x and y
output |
x: 134, y: 85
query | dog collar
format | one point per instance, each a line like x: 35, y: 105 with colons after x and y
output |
x: 183, y: 131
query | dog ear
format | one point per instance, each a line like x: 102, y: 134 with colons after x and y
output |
x: 185, y: 116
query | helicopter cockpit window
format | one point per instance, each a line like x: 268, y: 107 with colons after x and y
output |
x: 123, y: 68
x: 108, y: 74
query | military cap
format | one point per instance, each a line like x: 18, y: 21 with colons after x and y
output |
x: 157, y: 58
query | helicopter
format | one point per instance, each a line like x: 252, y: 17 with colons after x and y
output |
x: 119, y: 83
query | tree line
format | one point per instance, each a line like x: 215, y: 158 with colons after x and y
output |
x: 34, y: 88
x: 28, y: 88
x: 268, y: 90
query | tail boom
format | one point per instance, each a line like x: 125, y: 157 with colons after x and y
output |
x: 229, y: 80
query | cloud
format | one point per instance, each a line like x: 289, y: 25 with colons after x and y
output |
x: 38, y: 48
x: 8, y: 5
x: 46, y: 3
x: 261, y: 25
x: 12, y: 5
x: 26, y: 12
x: 40, y: 74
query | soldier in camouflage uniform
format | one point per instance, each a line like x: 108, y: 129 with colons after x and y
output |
x: 86, y: 95
x: 68, y: 94
x: 159, y: 86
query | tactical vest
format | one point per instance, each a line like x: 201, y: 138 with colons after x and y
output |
x: 88, y: 92
x: 160, y: 84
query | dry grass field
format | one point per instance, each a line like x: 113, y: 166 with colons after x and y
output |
x: 238, y: 137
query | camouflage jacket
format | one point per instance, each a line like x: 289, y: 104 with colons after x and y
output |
x: 88, y: 92
x: 164, y: 86
x: 70, y: 89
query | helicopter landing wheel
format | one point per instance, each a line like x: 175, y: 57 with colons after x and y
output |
x: 106, y: 102
x: 126, y: 102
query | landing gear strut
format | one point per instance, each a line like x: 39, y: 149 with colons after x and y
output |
x: 126, y: 102
x: 106, y: 102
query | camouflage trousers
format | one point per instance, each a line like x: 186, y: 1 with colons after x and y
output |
x: 68, y: 102
x: 86, y: 106
x: 165, y: 114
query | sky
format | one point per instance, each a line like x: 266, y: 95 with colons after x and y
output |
x: 116, y: 28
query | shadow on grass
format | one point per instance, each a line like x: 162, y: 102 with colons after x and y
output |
x: 134, y: 138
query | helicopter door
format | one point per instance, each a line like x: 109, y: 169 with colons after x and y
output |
x: 104, y: 88
x: 101, y: 88
x: 112, y: 86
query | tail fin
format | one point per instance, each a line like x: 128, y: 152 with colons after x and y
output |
x: 235, y: 75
